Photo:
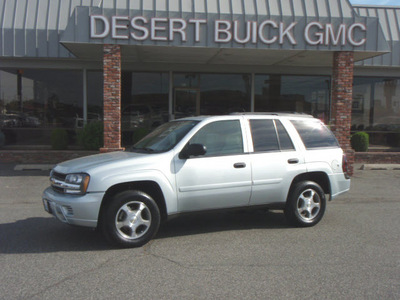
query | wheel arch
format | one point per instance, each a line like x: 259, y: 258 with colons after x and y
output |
x: 321, y: 178
x: 149, y: 187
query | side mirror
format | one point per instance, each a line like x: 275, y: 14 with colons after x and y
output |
x: 192, y: 150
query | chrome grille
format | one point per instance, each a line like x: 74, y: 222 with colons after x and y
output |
x: 58, y: 176
x: 56, y: 180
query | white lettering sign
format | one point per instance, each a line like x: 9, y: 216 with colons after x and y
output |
x: 261, y: 34
x: 316, y: 33
x: 94, y: 22
x: 222, y: 31
x: 267, y: 32
x: 137, y: 24
x: 350, y: 34
x: 117, y: 23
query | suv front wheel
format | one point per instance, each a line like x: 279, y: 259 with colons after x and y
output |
x: 306, y: 203
x: 131, y: 219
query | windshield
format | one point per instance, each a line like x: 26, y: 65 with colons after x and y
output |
x: 164, y: 137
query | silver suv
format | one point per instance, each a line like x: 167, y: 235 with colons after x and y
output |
x: 281, y: 161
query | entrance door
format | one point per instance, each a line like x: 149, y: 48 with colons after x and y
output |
x: 186, y: 102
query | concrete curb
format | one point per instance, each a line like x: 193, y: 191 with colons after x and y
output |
x: 380, y: 167
x: 36, y: 167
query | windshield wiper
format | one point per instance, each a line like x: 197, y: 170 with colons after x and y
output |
x: 145, y: 149
x: 148, y: 149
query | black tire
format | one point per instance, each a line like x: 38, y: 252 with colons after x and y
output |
x: 306, y: 204
x: 131, y: 219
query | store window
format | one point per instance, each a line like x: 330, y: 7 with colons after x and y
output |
x: 224, y: 93
x: 211, y: 94
x: 34, y: 102
x: 285, y: 93
x: 144, y: 104
x: 376, y: 110
x: 94, y: 96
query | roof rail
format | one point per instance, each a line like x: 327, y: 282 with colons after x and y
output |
x: 283, y: 113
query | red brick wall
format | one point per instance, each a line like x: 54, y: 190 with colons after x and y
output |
x: 342, y: 96
x: 378, y: 157
x: 112, y: 98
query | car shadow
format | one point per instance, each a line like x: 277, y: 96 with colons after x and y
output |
x: 47, y: 235
x: 200, y: 223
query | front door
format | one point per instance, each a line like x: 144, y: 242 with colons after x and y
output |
x: 222, y: 177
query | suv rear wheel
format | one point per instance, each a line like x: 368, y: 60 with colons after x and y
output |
x: 306, y: 204
x: 131, y: 219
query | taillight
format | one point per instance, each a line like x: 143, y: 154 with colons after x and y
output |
x: 345, y: 166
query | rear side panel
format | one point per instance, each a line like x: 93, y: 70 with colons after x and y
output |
x: 329, y: 161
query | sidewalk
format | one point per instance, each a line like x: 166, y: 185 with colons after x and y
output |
x: 11, y: 170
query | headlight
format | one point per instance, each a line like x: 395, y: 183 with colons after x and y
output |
x: 76, y: 183
x: 75, y: 178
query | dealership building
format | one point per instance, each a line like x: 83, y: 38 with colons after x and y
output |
x: 135, y: 64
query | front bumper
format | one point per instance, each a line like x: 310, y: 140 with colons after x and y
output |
x: 73, y: 210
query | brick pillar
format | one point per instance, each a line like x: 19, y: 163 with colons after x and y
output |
x: 112, y: 98
x: 342, y: 96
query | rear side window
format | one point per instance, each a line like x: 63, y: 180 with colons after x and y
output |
x: 315, y: 135
x: 264, y: 135
x: 270, y: 135
x: 284, y: 139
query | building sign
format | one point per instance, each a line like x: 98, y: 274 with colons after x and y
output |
x: 268, y: 32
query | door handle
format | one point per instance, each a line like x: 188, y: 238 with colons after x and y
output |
x: 293, y: 161
x: 239, y: 165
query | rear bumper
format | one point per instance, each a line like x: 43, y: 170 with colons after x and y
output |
x: 73, y: 210
x: 339, y: 184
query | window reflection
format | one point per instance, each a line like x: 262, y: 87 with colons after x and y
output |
x: 224, y: 93
x: 144, y: 104
x: 94, y: 96
x: 376, y: 110
x: 33, y: 102
x: 307, y: 94
x: 211, y: 94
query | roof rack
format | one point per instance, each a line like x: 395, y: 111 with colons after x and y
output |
x: 283, y: 113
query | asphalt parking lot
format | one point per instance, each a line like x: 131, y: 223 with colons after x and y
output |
x: 352, y: 254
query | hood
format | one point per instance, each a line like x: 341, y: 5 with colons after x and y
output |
x: 85, y: 164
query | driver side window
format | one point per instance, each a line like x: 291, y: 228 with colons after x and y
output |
x: 220, y: 138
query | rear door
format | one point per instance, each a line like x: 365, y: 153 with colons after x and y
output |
x: 275, y: 161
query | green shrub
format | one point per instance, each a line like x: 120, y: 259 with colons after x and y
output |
x: 59, y: 139
x: 91, y: 136
x: 360, y: 141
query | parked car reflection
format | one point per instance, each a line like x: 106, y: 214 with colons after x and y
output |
x: 141, y: 116
x: 91, y: 117
x: 18, y: 120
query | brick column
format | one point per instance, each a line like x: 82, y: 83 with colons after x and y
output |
x: 112, y: 98
x: 342, y: 97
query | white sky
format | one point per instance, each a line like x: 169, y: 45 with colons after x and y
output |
x: 376, y: 2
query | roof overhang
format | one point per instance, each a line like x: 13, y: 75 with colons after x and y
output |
x: 152, y: 37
